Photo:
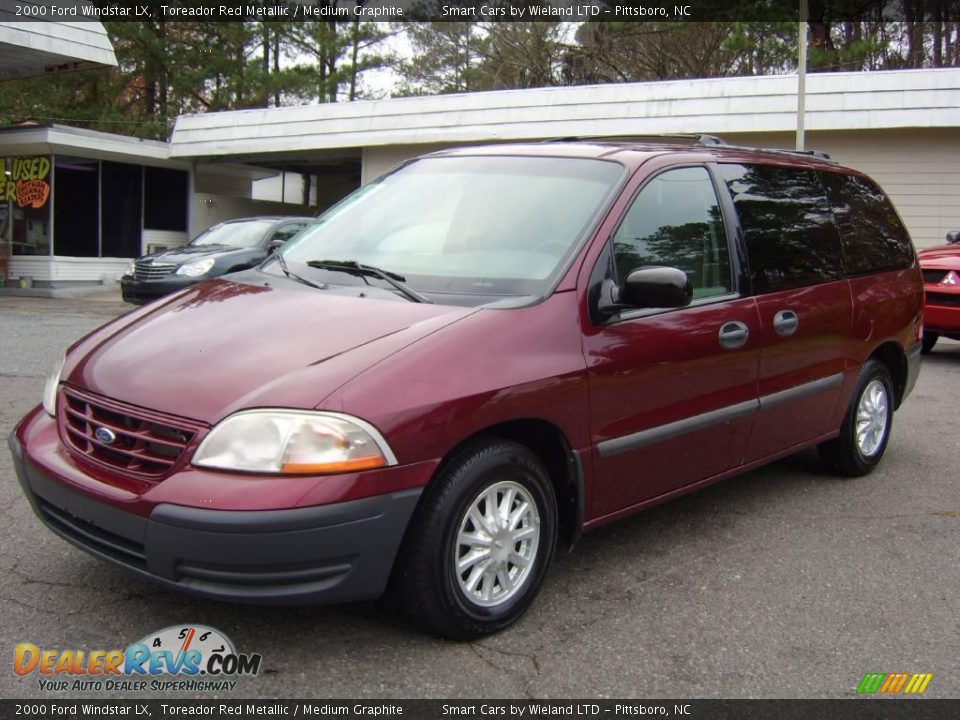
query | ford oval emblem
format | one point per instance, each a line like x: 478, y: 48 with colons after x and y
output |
x: 105, y: 435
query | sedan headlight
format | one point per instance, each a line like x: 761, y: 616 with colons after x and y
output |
x: 195, y: 268
x: 50, y: 389
x: 293, y: 442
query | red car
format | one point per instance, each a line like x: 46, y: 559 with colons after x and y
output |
x: 481, y: 354
x: 941, y: 281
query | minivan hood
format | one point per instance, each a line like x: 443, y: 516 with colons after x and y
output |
x: 222, y: 346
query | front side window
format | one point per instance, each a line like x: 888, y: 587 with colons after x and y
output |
x: 286, y: 232
x: 676, y: 221
x: 874, y: 238
x: 791, y: 238
x: 464, y: 229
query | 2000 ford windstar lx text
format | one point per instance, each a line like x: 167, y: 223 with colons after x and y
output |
x: 484, y: 352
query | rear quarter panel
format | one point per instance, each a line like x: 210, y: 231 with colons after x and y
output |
x: 887, y: 307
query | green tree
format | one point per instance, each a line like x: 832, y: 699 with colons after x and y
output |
x: 447, y: 58
x: 523, y: 54
x: 170, y: 68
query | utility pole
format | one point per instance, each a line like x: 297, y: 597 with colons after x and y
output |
x: 802, y: 75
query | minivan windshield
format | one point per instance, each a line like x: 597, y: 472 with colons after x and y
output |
x: 241, y: 234
x: 462, y: 229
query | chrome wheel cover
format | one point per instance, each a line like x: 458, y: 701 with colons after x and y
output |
x: 497, y: 543
x: 873, y: 415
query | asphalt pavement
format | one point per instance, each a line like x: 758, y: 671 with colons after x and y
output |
x: 785, y: 582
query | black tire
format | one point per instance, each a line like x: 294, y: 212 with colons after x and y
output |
x: 430, y: 588
x: 844, y: 454
x: 929, y: 340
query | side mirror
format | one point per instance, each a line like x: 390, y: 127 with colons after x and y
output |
x: 274, y: 246
x: 953, y: 237
x: 647, y: 287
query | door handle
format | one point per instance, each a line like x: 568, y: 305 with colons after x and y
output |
x: 785, y: 323
x: 733, y: 334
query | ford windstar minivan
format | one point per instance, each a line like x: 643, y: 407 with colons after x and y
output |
x: 480, y: 355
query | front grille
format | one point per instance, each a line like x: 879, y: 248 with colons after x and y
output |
x: 949, y: 300
x: 932, y: 277
x: 93, y: 537
x: 152, y: 270
x: 144, y: 444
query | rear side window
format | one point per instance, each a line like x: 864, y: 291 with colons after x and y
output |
x: 676, y: 221
x: 791, y: 237
x: 874, y: 239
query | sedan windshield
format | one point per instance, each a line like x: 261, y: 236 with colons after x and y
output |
x: 244, y: 234
x: 463, y: 229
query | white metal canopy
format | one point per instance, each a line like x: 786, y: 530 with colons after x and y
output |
x: 40, y: 48
x: 835, y: 101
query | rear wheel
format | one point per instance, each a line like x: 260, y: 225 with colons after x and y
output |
x: 866, y: 425
x: 929, y: 340
x: 480, y: 542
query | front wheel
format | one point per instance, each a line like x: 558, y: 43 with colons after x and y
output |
x: 866, y: 425
x: 929, y: 340
x: 480, y: 542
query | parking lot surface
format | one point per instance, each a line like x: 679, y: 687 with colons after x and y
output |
x: 785, y: 582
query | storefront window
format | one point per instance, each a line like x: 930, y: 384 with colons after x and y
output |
x: 25, y: 204
x: 94, y: 208
x: 165, y: 196
x: 121, y: 192
x: 76, y: 207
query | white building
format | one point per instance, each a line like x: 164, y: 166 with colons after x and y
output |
x: 29, y: 49
x: 900, y: 127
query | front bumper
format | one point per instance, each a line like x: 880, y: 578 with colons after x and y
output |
x: 940, y: 317
x: 306, y: 555
x: 139, y: 292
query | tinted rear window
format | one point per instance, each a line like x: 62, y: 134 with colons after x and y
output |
x: 791, y: 237
x: 874, y: 239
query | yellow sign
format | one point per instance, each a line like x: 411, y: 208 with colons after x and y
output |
x: 26, y: 182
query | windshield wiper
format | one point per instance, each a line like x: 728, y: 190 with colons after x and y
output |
x: 355, y: 268
x: 293, y: 276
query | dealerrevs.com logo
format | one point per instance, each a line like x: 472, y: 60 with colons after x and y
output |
x: 181, y: 657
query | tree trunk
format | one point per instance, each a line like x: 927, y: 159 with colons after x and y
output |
x: 355, y: 51
x: 276, y: 67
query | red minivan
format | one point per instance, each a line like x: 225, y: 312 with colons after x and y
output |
x: 481, y: 354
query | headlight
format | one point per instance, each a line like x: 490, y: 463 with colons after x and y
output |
x: 50, y: 389
x: 193, y: 269
x: 131, y: 269
x: 293, y: 442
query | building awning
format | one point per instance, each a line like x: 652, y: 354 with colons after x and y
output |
x: 40, y: 48
x: 835, y: 101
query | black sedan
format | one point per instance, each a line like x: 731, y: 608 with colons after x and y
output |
x: 228, y: 247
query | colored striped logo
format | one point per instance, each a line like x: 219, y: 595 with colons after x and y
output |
x: 894, y: 683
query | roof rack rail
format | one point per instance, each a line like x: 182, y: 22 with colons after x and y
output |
x: 818, y: 154
x: 698, y: 140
